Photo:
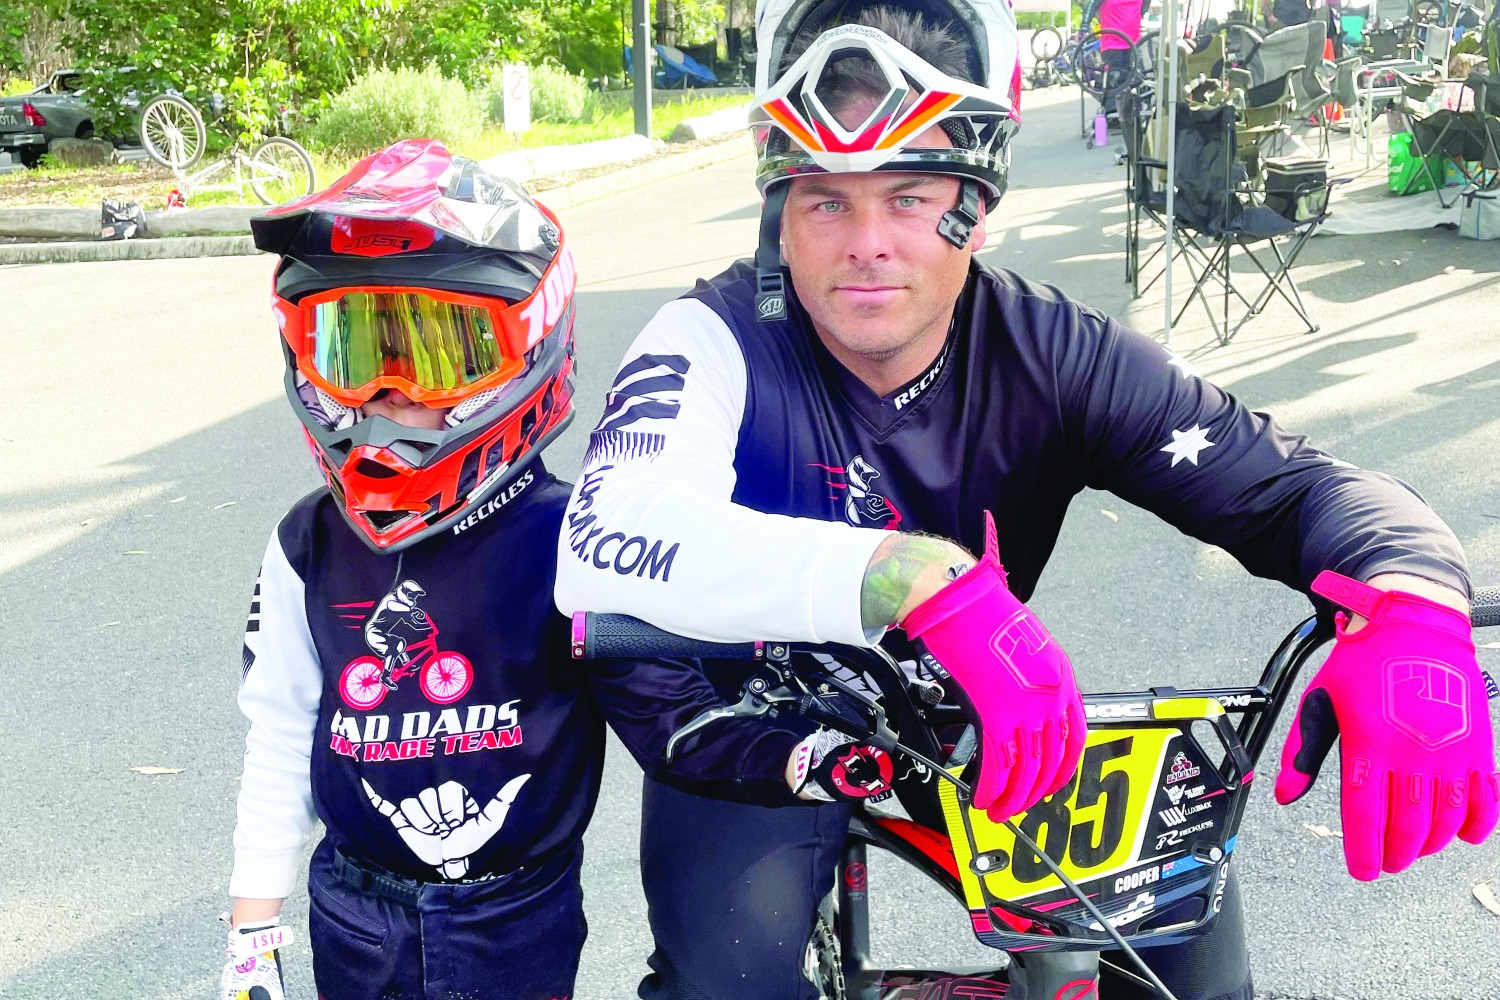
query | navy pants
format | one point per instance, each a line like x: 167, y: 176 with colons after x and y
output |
x: 732, y: 890
x: 516, y: 937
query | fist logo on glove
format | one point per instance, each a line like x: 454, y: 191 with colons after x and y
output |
x: 1405, y: 698
x: 1016, y: 678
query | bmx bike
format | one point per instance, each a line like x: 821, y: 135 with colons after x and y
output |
x: 1134, y: 850
x: 276, y: 168
x: 1082, y: 59
x: 443, y: 676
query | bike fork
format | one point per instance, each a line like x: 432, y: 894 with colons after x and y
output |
x: 854, y: 913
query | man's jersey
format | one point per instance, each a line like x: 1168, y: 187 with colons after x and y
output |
x: 481, y: 749
x: 741, y: 478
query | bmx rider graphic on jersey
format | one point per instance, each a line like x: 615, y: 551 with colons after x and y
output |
x: 863, y: 506
x: 405, y: 643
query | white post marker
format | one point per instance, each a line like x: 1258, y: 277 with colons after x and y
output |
x: 515, y: 80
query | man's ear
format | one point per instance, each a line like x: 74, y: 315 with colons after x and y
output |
x: 976, y: 237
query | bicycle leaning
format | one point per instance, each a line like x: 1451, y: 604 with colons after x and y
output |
x: 172, y: 131
x: 1134, y: 850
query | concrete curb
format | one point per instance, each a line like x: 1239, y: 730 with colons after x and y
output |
x: 192, y: 236
x: 147, y: 249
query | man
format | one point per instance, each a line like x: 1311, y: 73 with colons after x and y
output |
x: 714, y: 499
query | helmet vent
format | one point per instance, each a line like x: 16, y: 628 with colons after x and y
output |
x: 374, y: 470
x: 385, y: 520
x: 463, y: 411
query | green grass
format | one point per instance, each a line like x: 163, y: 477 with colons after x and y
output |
x: 613, y: 116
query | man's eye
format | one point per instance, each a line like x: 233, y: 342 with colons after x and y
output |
x: 908, y: 201
x: 828, y: 206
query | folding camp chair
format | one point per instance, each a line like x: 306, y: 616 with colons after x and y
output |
x: 1468, y: 139
x: 1218, y: 212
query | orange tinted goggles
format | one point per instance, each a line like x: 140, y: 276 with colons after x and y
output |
x: 437, y: 347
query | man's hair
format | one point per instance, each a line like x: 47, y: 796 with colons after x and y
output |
x: 851, y: 77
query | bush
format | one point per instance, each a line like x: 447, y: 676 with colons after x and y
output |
x: 556, y: 96
x: 385, y: 106
x: 16, y: 85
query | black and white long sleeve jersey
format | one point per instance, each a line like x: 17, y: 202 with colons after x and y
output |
x: 425, y: 707
x: 741, y: 478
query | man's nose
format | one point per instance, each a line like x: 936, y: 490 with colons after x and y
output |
x: 870, y: 236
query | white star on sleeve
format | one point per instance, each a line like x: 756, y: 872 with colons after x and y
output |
x: 1182, y: 365
x: 1187, y: 444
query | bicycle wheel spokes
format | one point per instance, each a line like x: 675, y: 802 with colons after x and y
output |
x: 280, y: 170
x: 172, y: 132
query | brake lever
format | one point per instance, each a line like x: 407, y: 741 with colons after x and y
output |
x: 757, y: 697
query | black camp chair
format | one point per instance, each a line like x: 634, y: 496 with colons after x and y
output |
x: 1218, y: 212
x: 1470, y: 139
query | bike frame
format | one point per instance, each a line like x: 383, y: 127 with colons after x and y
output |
x: 931, y: 854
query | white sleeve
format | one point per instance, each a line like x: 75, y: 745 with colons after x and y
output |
x: 279, y: 695
x: 651, y: 530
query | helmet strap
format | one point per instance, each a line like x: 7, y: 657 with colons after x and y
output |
x: 957, y: 224
x: 770, y: 276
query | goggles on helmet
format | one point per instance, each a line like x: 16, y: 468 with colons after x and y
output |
x: 905, y: 113
x: 438, y: 347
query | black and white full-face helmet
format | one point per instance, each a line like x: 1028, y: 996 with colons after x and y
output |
x: 974, y: 98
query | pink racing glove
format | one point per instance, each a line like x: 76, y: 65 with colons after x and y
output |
x: 1406, y: 696
x: 1014, y: 675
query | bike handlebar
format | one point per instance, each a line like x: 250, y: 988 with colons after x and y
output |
x: 599, y: 635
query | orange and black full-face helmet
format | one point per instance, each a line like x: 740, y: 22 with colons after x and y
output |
x: 422, y: 273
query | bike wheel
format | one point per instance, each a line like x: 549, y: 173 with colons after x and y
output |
x: 1097, y: 76
x: 823, y: 964
x: 280, y: 170
x: 172, y: 132
x: 446, y: 678
x: 1046, y: 43
x: 360, y: 685
x: 1427, y: 13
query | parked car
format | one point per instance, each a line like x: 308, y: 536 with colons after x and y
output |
x: 58, y: 109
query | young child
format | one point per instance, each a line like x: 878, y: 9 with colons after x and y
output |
x: 406, y: 675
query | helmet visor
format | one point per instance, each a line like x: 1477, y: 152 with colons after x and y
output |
x: 436, y: 347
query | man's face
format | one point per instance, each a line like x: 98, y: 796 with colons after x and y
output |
x: 870, y: 268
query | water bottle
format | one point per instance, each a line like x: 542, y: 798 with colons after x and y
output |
x: 1101, y: 129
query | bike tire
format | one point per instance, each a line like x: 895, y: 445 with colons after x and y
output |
x: 280, y: 170
x: 1046, y: 43
x: 172, y: 132
x: 1096, y: 76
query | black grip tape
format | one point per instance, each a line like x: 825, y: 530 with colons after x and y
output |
x: 1486, y: 608
x: 621, y: 635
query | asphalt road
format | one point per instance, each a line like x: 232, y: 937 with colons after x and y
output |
x: 146, y: 452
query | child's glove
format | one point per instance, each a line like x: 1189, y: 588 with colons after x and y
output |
x: 1015, y: 676
x: 1418, y: 758
x: 253, y: 971
x: 829, y: 765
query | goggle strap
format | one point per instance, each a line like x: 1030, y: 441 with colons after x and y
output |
x: 770, y: 277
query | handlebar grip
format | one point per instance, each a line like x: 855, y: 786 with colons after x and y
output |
x: 597, y: 635
x: 1485, y: 611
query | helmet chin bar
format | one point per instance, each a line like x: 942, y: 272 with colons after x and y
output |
x: 770, y: 276
x: 957, y: 224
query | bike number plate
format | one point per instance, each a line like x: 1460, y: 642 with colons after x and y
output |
x: 1125, y: 828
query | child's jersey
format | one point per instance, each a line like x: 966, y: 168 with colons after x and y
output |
x: 430, y: 698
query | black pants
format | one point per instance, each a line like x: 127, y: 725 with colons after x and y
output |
x: 516, y: 937
x: 732, y: 891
